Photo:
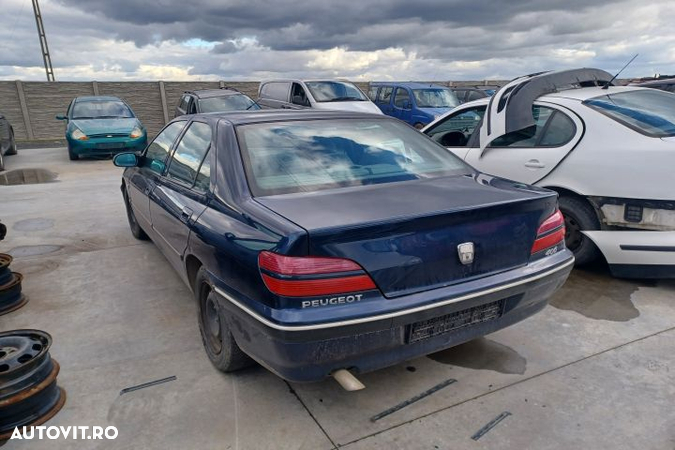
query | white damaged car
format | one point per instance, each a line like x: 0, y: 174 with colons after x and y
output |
x: 608, y: 151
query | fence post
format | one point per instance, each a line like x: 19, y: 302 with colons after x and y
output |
x: 162, y: 96
x: 24, y: 110
x: 94, y: 86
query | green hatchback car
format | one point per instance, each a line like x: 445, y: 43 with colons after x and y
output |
x: 102, y: 126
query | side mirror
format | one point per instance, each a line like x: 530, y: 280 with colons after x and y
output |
x: 61, y: 117
x: 126, y: 160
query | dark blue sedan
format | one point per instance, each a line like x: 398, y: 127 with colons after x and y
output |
x: 321, y: 241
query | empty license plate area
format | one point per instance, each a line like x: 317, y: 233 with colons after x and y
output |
x: 109, y: 145
x: 433, y: 327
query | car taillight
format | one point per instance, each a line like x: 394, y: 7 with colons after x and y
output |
x: 551, y: 233
x: 308, y: 276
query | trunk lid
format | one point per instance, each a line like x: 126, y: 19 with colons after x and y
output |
x: 406, y: 235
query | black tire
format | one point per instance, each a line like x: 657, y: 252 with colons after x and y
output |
x: 2, y: 161
x: 12, y: 144
x: 419, y: 125
x: 579, y: 216
x: 136, y: 229
x: 218, y: 341
x: 71, y: 155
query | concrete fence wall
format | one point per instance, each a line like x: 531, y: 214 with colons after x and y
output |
x: 31, y: 106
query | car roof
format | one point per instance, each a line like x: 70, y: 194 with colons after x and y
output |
x: 279, y: 115
x: 93, y: 98
x: 208, y: 93
x: 304, y: 80
x: 408, y: 84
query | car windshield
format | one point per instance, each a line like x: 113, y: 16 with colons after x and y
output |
x: 306, y: 156
x: 335, y: 91
x: 650, y: 112
x: 435, y: 98
x: 101, y: 109
x: 236, y: 102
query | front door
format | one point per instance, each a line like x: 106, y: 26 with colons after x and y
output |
x: 182, y: 194
x: 144, y: 178
x: 402, y: 105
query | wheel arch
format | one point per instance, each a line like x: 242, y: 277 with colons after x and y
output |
x: 570, y: 193
x: 192, y: 266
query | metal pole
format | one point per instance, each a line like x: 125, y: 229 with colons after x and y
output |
x: 43, y: 41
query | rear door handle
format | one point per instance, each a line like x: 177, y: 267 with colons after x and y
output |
x: 186, y: 214
x: 534, y: 164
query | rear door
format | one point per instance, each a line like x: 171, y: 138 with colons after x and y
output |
x: 528, y: 155
x: 143, y: 179
x: 402, y: 108
x: 182, y: 194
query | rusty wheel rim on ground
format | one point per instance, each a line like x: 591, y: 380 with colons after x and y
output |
x: 5, y: 272
x: 11, y: 297
x: 29, y: 395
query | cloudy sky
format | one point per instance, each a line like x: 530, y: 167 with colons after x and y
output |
x: 366, y: 40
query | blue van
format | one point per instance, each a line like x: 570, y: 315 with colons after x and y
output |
x: 415, y: 103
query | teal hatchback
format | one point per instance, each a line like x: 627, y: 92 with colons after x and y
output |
x: 102, y: 126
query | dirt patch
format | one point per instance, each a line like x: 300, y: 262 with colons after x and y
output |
x: 34, y: 250
x: 33, y: 224
x: 483, y: 354
x: 593, y: 293
x: 27, y: 176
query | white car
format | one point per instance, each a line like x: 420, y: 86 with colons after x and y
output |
x: 608, y: 152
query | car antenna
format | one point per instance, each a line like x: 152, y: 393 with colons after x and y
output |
x: 606, y: 86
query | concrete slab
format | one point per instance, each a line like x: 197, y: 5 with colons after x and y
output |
x: 621, y: 399
x: 120, y: 316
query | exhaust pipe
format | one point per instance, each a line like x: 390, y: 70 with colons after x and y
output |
x: 348, y: 381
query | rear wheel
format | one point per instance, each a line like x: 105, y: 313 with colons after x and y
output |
x: 2, y: 161
x: 579, y: 216
x: 136, y: 229
x: 218, y: 341
x: 419, y: 125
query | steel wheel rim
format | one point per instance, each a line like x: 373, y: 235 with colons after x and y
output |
x: 211, y: 326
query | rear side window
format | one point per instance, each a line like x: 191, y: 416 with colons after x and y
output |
x: 307, y: 156
x: 190, y: 153
x: 372, y: 92
x: 158, y: 150
x: 385, y: 94
x: 474, y: 95
x: 649, y: 111
x: 551, y: 129
x: 276, y: 91
x: 184, y: 101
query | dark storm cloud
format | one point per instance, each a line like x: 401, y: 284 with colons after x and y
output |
x: 321, y: 24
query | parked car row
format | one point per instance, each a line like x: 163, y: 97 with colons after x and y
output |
x: 317, y: 241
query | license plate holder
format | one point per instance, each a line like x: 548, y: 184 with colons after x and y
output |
x: 447, y: 323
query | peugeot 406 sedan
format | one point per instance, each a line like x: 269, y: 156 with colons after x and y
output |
x: 321, y: 241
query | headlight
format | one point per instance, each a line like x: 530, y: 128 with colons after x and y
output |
x: 79, y: 135
x: 136, y: 132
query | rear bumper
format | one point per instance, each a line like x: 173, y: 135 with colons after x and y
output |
x: 304, y: 352
x: 106, y: 146
x: 637, y: 254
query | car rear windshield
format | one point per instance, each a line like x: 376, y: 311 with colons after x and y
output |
x: 435, y: 98
x: 101, y: 109
x: 306, y: 156
x: 236, y: 102
x: 335, y: 91
x: 650, y: 112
